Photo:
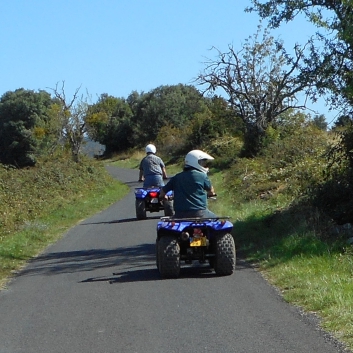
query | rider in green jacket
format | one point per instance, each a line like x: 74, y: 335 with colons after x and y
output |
x: 191, y: 187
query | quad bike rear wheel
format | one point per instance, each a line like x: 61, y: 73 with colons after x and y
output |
x: 140, y: 209
x: 168, y: 257
x: 225, y: 259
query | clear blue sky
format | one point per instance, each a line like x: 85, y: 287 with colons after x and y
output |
x: 118, y: 46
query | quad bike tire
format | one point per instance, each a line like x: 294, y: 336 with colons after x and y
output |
x: 140, y: 209
x: 225, y: 259
x: 168, y: 257
x: 168, y: 208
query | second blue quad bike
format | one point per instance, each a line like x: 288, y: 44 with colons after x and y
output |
x: 148, y: 200
x: 195, y: 239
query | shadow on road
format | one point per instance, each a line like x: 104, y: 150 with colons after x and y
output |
x: 135, y: 258
x: 145, y: 275
x: 126, y: 220
x: 89, y: 260
x: 141, y: 275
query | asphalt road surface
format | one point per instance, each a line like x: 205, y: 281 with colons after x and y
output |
x: 97, y: 290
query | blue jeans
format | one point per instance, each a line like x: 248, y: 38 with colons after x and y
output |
x: 153, y: 180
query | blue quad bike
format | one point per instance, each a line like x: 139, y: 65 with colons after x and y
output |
x: 195, y: 239
x: 148, y: 200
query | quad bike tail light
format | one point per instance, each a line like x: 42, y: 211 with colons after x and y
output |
x: 153, y: 194
x: 197, y: 233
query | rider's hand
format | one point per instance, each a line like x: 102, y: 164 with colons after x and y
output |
x: 211, y: 193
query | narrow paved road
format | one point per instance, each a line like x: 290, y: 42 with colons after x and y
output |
x: 98, y: 291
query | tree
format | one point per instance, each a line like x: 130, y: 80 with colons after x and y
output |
x: 320, y: 122
x: 343, y: 121
x: 332, y: 66
x: 134, y: 100
x: 71, y: 114
x: 261, y: 82
x: 109, y: 123
x: 165, y: 106
x: 332, y: 61
x: 225, y: 119
x: 217, y: 121
x: 24, y: 115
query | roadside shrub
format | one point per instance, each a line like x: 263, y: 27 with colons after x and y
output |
x: 289, y: 165
x: 333, y: 195
x: 52, y: 183
x: 226, y: 150
x: 171, y: 140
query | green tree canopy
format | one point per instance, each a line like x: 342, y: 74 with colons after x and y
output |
x: 21, y: 112
x: 165, y: 105
x: 109, y: 123
x: 343, y: 121
x: 320, y: 122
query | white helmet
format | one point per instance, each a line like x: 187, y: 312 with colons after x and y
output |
x: 151, y: 149
x: 196, y: 158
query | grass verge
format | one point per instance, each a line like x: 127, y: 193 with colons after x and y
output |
x: 312, y: 272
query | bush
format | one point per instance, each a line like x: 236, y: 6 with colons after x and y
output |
x: 26, y: 193
x: 334, y: 194
x: 171, y: 141
x: 290, y: 165
x: 226, y: 151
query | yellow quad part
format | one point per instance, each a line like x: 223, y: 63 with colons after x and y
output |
x: 199, y: 242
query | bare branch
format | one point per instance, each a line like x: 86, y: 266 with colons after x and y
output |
x: 261, y: 80
x: 72, y: 117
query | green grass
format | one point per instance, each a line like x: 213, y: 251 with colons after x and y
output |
x: 313, y: 274
x: 317, y: 279
x: 130, y: 161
